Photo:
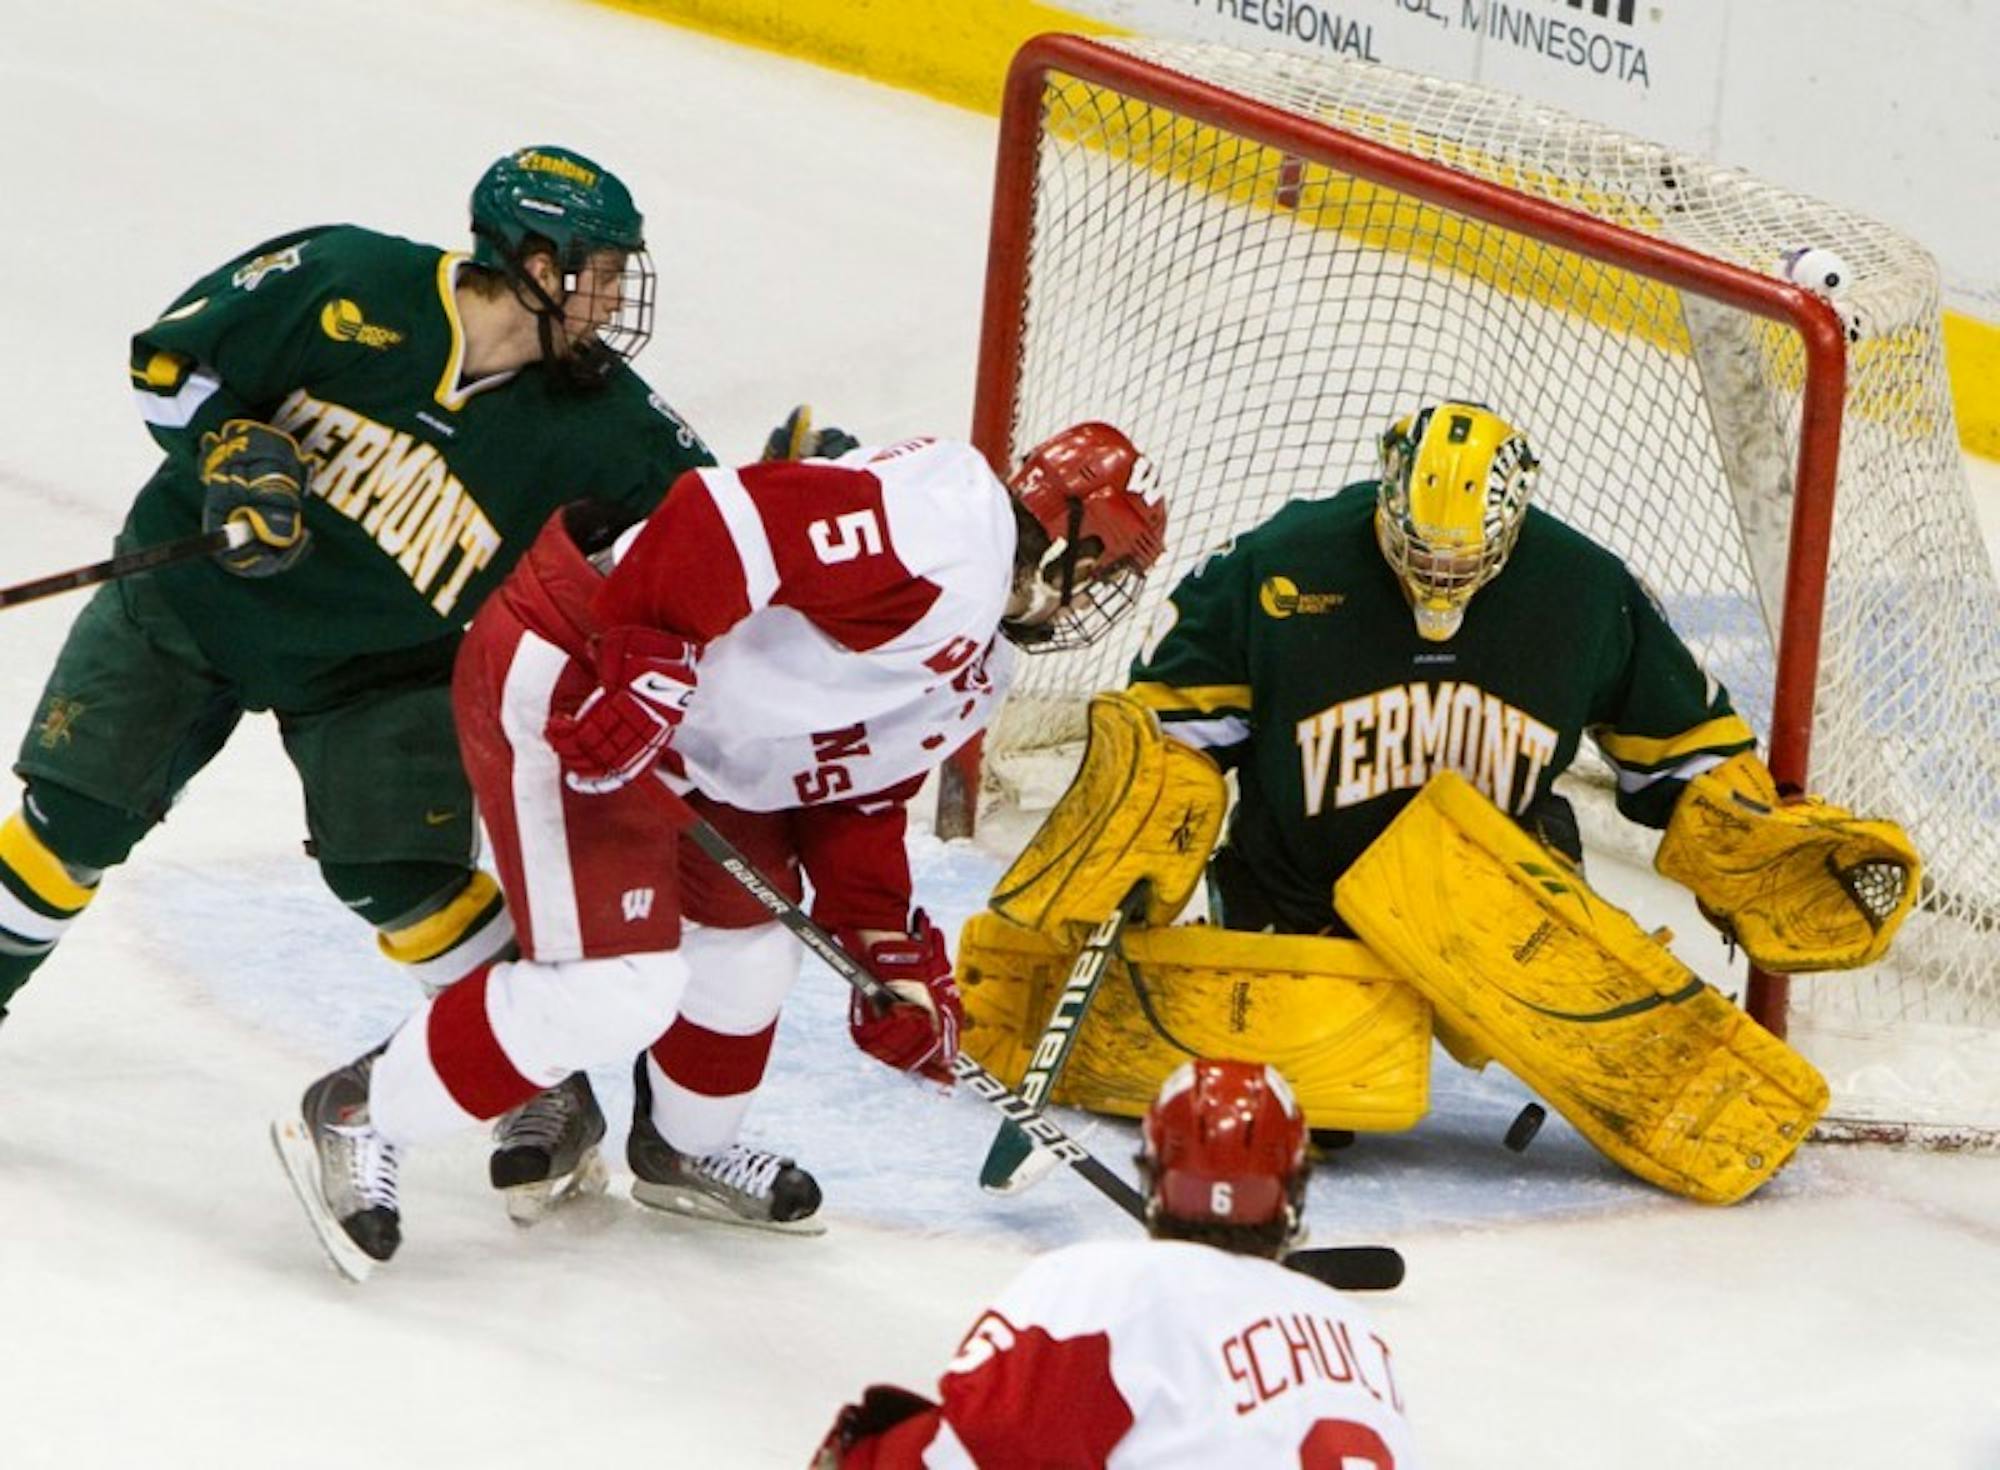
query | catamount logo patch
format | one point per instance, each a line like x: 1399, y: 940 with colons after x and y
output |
x: 251, y: 274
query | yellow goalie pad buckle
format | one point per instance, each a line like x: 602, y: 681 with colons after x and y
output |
x: 1802, y: 885
x: 1353, y: 1041
x: 1518, y: 954
x: 1141, y: 806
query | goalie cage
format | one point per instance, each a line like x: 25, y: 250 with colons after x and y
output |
x: 1251, y: 261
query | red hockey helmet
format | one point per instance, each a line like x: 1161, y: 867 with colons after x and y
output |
x: 1225, y: 1145
x: 1097, y: 501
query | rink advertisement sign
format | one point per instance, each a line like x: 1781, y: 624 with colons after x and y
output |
x: 1602, y: 57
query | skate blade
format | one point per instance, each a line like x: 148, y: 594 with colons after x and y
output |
x: 301, y: 1160
x: 530, y: 1204
x: 672, y: 1199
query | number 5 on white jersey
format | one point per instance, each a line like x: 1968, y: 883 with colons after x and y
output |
x: 845, y: 537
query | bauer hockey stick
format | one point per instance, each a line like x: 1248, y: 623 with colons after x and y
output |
x: 1012, y: 1162
x: 1348, y: 1268
x: 185, y: 548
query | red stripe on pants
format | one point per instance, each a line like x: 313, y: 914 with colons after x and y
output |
x: 467, y: 1055
x: 712, y: 1063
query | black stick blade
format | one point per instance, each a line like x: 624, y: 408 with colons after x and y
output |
x: 1351, y: 1267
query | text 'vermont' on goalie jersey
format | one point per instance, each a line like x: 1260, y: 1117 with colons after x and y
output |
x: 849, y: 611
x: 1291, y: 656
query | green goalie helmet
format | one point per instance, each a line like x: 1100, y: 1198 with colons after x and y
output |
x: 558, y: 195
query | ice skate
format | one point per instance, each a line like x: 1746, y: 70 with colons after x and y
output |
x: 342, y: 1170
x: 545, y: 1151
x: 737, y: 1185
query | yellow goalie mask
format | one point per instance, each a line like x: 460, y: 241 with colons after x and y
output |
x: 1456, y: 479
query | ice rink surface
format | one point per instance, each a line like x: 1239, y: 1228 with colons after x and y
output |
x: 161, y: 1302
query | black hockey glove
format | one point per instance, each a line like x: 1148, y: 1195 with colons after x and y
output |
x: 796, y: 438
x: 254, y: 474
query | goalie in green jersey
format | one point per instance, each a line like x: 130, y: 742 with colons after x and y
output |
x: 394, y: 423
x: 1397, y: 675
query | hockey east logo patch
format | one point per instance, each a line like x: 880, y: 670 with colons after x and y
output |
x: 343, y: 321
x: 1280, y: 598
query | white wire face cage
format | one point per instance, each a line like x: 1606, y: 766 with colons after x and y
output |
x: 1092, y: 611
x: 630, y: 326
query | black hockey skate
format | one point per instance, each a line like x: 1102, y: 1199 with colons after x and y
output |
x: 734, y: 1186
x: 342, y: 1170
x: 545, y: 1151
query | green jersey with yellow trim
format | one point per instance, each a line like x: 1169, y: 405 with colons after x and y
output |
x: 427, y: 487
x: 1291, y: 655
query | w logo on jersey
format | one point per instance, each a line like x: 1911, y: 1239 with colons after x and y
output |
x: 637, y: 904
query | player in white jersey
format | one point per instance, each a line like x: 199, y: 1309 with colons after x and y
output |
x: 793, y: 646
x: 1193, y: 1349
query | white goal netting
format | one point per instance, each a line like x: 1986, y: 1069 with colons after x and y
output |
x: 1254, y: 315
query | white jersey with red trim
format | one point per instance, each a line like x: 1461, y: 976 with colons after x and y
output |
x: 849, y: 612
x: 1165, y: 1354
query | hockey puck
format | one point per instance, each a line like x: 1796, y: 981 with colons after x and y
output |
x: 1527, y: 1123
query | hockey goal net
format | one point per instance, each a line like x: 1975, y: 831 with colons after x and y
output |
x: 1253, y: 261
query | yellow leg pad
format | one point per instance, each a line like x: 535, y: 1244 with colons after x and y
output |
x: 1353, y: 1041
x: 1517, y: 954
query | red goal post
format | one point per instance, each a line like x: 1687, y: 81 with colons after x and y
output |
x: 1252, y: 261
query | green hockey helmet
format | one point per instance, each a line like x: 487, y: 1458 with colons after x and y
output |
x: 557, y: 195
x: 551, y: 194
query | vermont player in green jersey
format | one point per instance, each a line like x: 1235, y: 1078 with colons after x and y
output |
x: 394, y: 422
x: 1397, y: 675
x: 1337, y: 658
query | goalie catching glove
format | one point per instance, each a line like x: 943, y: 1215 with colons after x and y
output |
x: 645, y: 677
x: 1801, y: 885
x: 920, y: 1033
x: 253, y: 475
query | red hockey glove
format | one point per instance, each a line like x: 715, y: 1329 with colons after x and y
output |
x: 920, y: 1034
x: 645, y: 677
x: 856, y: 1432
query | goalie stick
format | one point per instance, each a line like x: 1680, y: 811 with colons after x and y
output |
x: 185, y: 548
x: 1348, y: 1268
x: 1012, y: 1162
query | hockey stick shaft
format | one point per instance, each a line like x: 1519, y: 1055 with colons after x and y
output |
x: 186, y: 548
x: 1350, y: 1268
x: 1011, y: 1147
